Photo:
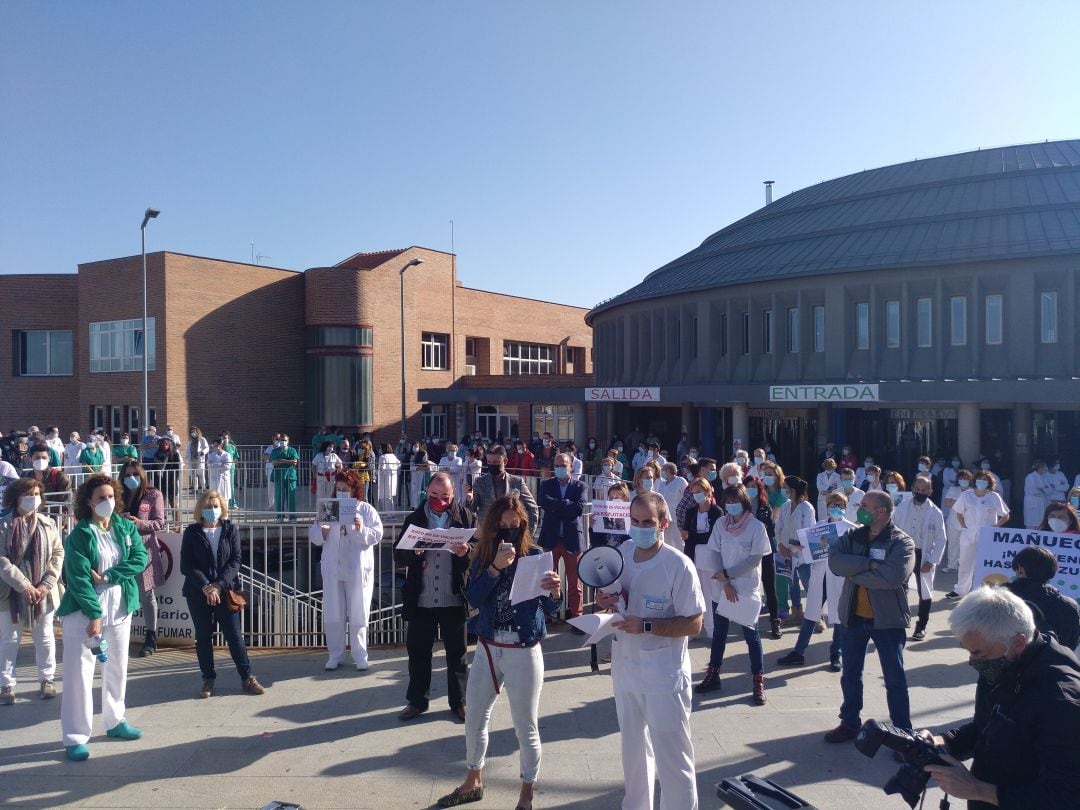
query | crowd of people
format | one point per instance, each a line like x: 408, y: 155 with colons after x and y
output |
x: 706, y: 543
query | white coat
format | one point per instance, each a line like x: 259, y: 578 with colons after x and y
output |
x: 72, y: 451
x: 827, y: 483
x: 389, y: 466
x: 926, y: 526
x: 456, y: 468
x: 326, y: 465
x: 672, y: 492
x: 854, y: 501
x: 788, y: 523
x: 220, y: 466
x: 834, y: 584
x: 1059, y: 485
x: 1037, y: 492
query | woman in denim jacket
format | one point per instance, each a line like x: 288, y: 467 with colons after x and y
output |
x: 508, y: 649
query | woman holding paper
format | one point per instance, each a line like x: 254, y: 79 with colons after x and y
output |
x: 738, y: 542
x: 823, y: 589
x: 508, y: 649
x: 348, y: 571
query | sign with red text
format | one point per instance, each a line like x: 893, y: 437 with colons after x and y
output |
x: 630, y: 394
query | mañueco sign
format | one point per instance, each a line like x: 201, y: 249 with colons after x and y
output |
x: 996, y: 548
x: 856, y: 392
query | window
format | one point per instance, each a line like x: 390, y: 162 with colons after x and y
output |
x: 892, y: 324
x: 994, y: 313
x: 958, y: 320
x: 862, y: 325
x: 819, y: 329
x: 693, y: 338
x: 528, y: 358
x: 118, y: 345
x: 433, y: 351
x: 558, y: 420
x: 746, y: 333
x: 793, y: 329
x: 339, y: 336
x: 1049, y: 317
x: 676, y: 336
x: 434, y: 417
x: 470, y: 350
x: 767, y: 331
x: 339, y: 390
x: 43, y: 353
x: 924, y: 311
x: 491, y: 420
x: 723, y: 341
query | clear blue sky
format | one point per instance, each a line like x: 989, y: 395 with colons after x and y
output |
x: 577, y: 146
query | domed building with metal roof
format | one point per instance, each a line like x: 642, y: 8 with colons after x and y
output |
x: 926, y: 307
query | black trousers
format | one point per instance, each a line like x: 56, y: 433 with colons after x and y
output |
x: 420, y: 640
x: 925, y: 599
x: 768, y: 579
x: 204, y: 617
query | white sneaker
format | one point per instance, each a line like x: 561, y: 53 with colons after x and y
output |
x: 362, y: 666
x: 332, y: 664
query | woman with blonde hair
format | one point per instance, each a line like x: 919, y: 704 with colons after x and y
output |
x: 508, y: 649
x: 645, y: 479
x: 210, y: 558
x: 31, y: 558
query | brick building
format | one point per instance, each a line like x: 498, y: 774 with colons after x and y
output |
x: 258, y: 349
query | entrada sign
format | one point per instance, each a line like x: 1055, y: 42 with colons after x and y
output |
x: 622, y: 394
x: 861, y: 392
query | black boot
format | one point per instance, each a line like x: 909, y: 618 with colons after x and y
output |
x: 149, y: 646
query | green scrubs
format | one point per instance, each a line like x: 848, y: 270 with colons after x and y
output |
x: 285, y: 477
x: 230, y: 448
x: 92, y: 457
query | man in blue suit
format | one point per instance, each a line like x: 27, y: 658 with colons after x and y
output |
x: 563, y: 501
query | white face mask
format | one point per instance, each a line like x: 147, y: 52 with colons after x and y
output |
x: 104, y: 509
x: 1056, y: 524
x: 732, y: 480
x: 40, y: 464
x: 29, y: 503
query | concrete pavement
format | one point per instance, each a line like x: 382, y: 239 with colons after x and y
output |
x: 333, y: 740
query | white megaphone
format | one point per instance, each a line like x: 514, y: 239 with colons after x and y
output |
x: 600, y: 567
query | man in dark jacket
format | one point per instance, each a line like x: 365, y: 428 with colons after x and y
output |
x: 1054, y: 612
x: 876, y: 561
x: 434, y: 599
x: 563, y: 501
x: 1027, y: 711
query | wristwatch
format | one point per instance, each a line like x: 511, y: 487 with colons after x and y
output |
x: 646, y: 626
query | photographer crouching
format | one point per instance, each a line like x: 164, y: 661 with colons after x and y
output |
x: 1025, y: 736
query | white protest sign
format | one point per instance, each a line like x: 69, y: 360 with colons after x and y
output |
x: 173, y: 618
x: 997, y: 546
x: 528, y: 575
x: 418, y: 539
x: 611, y: 517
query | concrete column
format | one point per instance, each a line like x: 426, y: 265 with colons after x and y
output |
x: 457, y: 417
x: 689, y: 423
x: 967, y: 433
x: 824, y: 425
x: 1022, y: 451
x: 740, y: 424
x: 707, y: 443
x: 581, y: 425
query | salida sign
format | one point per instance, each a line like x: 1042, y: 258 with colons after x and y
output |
x: 631, y: 394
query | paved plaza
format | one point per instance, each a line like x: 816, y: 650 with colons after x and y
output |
x: 333, y: 740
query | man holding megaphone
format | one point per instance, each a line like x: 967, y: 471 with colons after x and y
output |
x: 661, y: 603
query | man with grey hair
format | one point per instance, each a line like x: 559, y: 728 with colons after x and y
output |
x: 1023, y: 737
x: 876, y: 561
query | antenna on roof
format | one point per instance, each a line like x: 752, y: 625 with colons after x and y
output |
x: 260, y: 256
x: 768, y: 190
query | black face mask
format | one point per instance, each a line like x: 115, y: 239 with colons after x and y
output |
x: 920, y: 497
x: 508, y: 535
x: 494, y: 469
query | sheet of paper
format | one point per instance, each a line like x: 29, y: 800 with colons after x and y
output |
x: 610, y: 517
x: 816, y: 541
x: 420, y: 539
x: 595, y: 625
x: 744, y: 612
x: 346, y: 511
x: 530, y: 571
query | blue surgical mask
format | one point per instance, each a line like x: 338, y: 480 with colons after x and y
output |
x: 340, y: 494
x: 752, y: 492
x: 836, y: 512
x: 892, y: 489
x: 849, y: 484
x: 562, y: 473
x: 982, y: 483
x: 211, y: 514
x: 710, y: 475
x: 769, y: 480
x: 956, y: 464
x: 1075, y: 501
x: 923, y: 468
x: 644, y: 537
x: 132, y: 482
x: 700, y: 497
x: 985, y: 465
x: 647, y: 484
x: 733, y: 509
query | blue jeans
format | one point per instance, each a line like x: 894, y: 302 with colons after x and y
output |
x: 204, y: 617
x: 837, y: 646
x: 719, y: 643
x: 799, y: 582
x: 890, y: 649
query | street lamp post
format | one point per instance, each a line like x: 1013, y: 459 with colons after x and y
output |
x: 401, y: 278
x: 151, y: 213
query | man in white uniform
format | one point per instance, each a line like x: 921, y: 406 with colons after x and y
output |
x: 662, y: 606
x: 72, y: 451
x: 923, y: 521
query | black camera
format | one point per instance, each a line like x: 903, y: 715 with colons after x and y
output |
x: 910, y: 781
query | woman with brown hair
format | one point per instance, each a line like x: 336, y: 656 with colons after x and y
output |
x: 508, y: 652
x: 31, y: 558
x: 145, y: 507
x: 348, y: 572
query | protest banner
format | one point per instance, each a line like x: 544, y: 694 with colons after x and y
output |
x: 174, y: 622
x: 816, y: 541
x: 611, y: 517
x: 996, y: 547
x: 418, y: 539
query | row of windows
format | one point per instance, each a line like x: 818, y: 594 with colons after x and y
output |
x: 558, y: 420
x: 114, y: 346
x: 339, y: 336
x: 518, y: 357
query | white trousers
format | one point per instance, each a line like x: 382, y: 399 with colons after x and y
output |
x: 77, y: 697
x: 968, y: 547
x: 814, y: 600
x: 521, y: 671
x: 952, y: 545
x: 346, y: 601
x: 655, y: 737
x: 706, y: 580
x: 41, y: 630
